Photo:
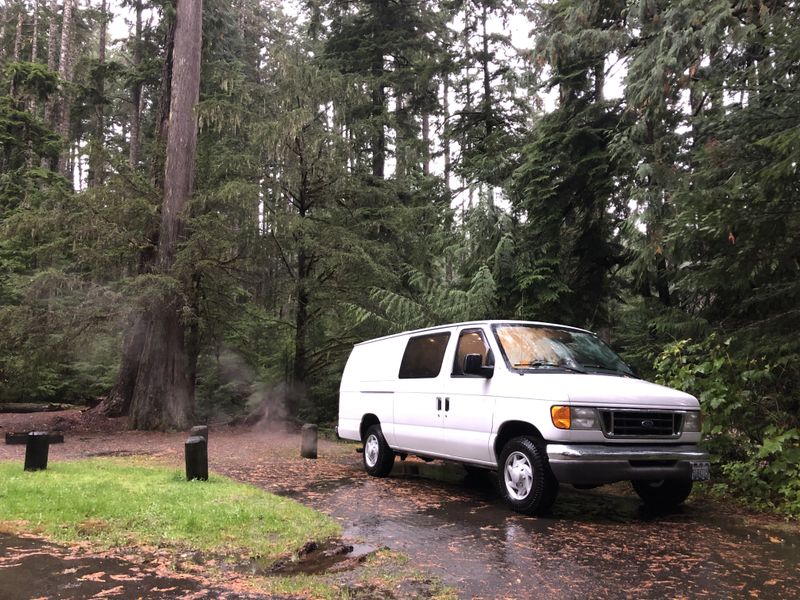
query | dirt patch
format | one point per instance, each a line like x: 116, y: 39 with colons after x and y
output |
x: 64, y: 421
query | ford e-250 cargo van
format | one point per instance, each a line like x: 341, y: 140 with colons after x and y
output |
x: 541, y: 404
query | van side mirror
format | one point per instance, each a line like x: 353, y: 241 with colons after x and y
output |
x: 473, y: 365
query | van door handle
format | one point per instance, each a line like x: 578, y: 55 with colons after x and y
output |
x: 446, y: 404
x: 438, y: 404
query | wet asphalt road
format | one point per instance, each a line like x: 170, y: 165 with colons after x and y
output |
x: 31, y: 568
x: 596, y: 544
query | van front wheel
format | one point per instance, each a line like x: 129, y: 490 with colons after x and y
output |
x: 378, y: 457
x: 524, y: 477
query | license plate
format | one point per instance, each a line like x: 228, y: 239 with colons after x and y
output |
x: 701, y: 470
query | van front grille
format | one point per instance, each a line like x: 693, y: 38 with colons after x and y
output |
x: 640, y: 423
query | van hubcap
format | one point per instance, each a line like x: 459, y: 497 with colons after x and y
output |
x: 518, y: 475
x: 371, y: 450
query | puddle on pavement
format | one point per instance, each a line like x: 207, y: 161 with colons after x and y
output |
x: 33, y: 568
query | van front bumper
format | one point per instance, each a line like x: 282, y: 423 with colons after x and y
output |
x: 595, y: 464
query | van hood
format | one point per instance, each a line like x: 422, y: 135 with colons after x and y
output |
x: 605, y: 390
x: 623, y: 391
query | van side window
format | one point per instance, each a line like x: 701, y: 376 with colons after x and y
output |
x: 423, y: 356
x: 471, y: 342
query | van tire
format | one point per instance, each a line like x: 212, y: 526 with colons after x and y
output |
x: 663, y: 494
x: 524, y: 477
x: 378, y: 456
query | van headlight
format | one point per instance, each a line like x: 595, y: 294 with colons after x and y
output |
x: 692, y: 422
x: 574, y: 417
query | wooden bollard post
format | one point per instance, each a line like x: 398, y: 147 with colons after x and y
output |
x: 196, y: 458
x: 308, y: 445
x: 36, y: 450
x: 201, y: 430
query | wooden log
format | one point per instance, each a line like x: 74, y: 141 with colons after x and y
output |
x: 36, y: 451
x: 196, y: 449
x: 308, y: 444
x: 201, y: 430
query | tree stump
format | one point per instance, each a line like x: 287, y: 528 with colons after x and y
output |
x: 308, y: 445
x: 36, y: 451
x: 201, y: 430
x: 196, y: 458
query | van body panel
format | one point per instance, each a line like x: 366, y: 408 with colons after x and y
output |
x: 417, y: 416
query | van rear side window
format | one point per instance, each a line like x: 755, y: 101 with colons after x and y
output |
x: 423, y: 356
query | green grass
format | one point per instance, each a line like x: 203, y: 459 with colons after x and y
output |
x: 114, y: 503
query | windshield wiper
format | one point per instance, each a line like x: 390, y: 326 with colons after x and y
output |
x: 609, y: 370
x: 540, y: 363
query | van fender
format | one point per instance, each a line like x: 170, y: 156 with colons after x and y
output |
x: 508, y: 431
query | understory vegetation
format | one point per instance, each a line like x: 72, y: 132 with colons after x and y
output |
x: 367, y: 167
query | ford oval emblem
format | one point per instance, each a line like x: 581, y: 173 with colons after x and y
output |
x: 647, y: 424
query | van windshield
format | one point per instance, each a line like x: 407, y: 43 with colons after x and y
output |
x: 542, y: 348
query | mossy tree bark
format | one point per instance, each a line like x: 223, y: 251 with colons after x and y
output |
x: 118, y: 402
x: 163, y: 397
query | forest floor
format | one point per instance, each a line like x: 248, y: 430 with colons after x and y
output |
x: 427, y: 530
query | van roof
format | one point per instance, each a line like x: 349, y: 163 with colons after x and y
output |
x: 466, y: 323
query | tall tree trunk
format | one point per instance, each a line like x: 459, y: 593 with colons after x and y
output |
x: 119, y: 399
x: 164, y: 103
x: 486, y: 107
x: 35, y: 39
x: 426, y: 143
x: 379, y: 135
x: 136, y: 91
x: 487, y: 102
x: 164, y: 394
x: 96, y: 158
x: 3, y: 20
x: 65, y: 75
x: 599, y: 80
x: 18, y: 32
x: 378, y: 100
x: 401, y: 141
x: 446, y: 133
x: 18, y: 39
x: 300, y: 362
x: 52, y: 61
x: 662, y: 282
x: 52, y: 37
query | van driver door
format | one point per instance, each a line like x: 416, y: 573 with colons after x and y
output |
x: 469, y: 403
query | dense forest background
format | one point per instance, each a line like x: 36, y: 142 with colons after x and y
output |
x: 371, y: 166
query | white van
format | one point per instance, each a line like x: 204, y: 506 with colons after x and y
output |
x: 540, y: 403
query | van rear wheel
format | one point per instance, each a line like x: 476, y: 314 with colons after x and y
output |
x: 378, y: 456
x: 524, y: 477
